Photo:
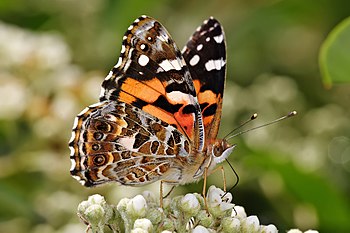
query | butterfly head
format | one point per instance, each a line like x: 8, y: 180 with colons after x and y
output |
x: 220, y: 150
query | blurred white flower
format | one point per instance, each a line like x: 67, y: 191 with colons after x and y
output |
x: 19, y: 46
x: 13, y: 97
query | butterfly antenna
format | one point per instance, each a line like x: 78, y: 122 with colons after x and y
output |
x: 253, y: 117
x: 291, y: 114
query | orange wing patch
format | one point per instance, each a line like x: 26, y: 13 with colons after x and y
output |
x: 148, y: 91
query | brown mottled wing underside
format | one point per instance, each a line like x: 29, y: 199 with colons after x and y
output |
x: 114, y: 141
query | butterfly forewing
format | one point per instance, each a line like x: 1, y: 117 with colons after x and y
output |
x: 151, y: 74
x: 205, y: 54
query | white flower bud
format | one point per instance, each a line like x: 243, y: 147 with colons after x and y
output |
x: 311, y: 231
x: 97, y: 199
x: 139, y: 230
x: 137, y: 206
x: 231, y: 225
x: 239, y: 212
x: 269, y: 229
x: 189, y: 204
x: 95, y: 211
x: 294, y: 231
x: 251, y: 224
x: 83, y: 206
x: 200, y: 229
x: 143, y: 223
x: 217, y: 201
x: 205, y: 219
x: 94, y: 214
x: 121, y: 207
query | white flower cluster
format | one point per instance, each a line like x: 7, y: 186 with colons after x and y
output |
x: 142, y: 214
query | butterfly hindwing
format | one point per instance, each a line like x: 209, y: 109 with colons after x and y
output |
x: 151, y: 74
x: 114, y: 141
x: 205, y: 54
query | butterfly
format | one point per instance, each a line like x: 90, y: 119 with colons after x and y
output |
x: 159, y: 111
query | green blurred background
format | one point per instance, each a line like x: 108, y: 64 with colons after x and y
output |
x: 55, y: 54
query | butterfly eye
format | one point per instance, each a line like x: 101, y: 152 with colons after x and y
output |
x: 99, y: 160
x: 217, y: 150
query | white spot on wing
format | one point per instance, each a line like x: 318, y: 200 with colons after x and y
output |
x: 119, y: 62
x: 219, y: 39
x: 75, y: 124
x: 142, y: 46
x: 123, y: 49
x: 81, y: 113
x: 143, y: 60
x: 102, y: 92
x: 207, y: 39
x: 110, y: 74
x: 214, y: 64
x: 127, y: 142
x: 95, y: 105
x: 72, y: 165
x: 79, y: 179
x: 194, y: 60
x: 170, y: 65
x: 162, y: 38
x: 71, y: 140
x: 199, y: 47
x: 179, y: 97
x: 130, y: 27
x: 176, y: 64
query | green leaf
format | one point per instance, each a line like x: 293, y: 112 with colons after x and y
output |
x: 334, y: 57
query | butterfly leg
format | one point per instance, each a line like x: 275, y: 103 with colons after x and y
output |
x: 205, y: 174
x: 205, y: 183
x: 161, y: 191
